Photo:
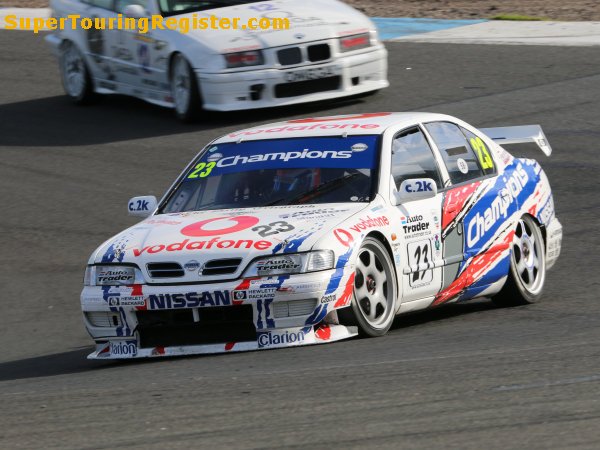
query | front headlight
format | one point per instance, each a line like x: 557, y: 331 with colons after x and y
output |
x: 291, y: 264
x: 112, y: 276
x: 355, y: 42
x: 244, y: 59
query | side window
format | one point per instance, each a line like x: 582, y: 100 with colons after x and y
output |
x: 412, y: 157
x: 106, y: 4
x: 483, y: 153
x: 456, y: 152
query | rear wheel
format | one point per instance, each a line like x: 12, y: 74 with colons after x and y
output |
x: 527, y: 274
x: 373, y: 304
x: 75, y: 75
x: 185, y: 91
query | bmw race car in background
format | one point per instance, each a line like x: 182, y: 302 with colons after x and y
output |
x: 315, y: 230
x: 330, y: 51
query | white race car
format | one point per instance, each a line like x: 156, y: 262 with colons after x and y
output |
x: 315, y: 230
x: 330, y: 50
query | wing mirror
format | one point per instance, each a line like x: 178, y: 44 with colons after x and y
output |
x: 134, y: 11
x: 415, y: 189
x: 142, y: 206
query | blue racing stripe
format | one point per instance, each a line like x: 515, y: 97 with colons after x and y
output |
x: 395, y: 27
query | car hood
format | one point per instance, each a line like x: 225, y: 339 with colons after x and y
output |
x: 193, y: 239
x: 311, y: 20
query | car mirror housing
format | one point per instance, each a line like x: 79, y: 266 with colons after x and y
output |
x: 134, y: 11
x: 414, y: 189
x: 142, y: 206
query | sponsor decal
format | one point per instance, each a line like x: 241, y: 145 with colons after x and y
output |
x: 338, y: 118
x: 413, y: 225
x: 126, y: 301
x: 462, y: 166
x: 319, y: 126
x: 210, y: 227
x: 285, y: 157
x: 273, y: 338
x: 214, y: 243
x: 189, y: 300
x: 313, y: 214
x: 417, y: 186
x: 481, y: 223
x: 328, y: 298
x: 369, y: 222
x: 255, y: 294
x: 270, y: 265
x: 240, y: 295
x: 344, y: 237
x: 122, y: 276
x: 163, y: 222
x: 123, y: 349
x: 360, y: 147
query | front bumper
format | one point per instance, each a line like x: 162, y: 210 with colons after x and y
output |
x: 251, y: 89
x: 143, y: 321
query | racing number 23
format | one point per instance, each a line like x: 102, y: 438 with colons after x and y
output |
x: 202, y: 170
x: 482, y: 153
x: 420, y: 253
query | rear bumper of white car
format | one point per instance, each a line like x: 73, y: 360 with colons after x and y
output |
x: 348, y: 75
x: 145, y: 321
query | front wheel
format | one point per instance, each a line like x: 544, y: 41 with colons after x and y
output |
x: 185, y: 91
x: 527, y: 274
x: 75, y: 75
x: 375, y: 290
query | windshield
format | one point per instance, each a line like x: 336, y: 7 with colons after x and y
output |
x: 173, y: 7
x: 278, y: 172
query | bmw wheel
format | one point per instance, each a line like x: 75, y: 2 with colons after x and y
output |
x: 75, y: 75
x: 527, y: 274
x: 373, y: 305
x: 184, y: 89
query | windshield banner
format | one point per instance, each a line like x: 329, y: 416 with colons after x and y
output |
x: 352, y: 152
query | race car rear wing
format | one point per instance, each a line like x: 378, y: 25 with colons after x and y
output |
x: 520, y: 135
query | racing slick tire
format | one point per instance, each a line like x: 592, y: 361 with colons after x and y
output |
x: 185, y: 90
x: 75, y: 75
x: 527, y: 274
x: 373, y: 304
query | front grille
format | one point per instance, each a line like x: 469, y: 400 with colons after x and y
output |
x: 165, y: 270
x: 294, y: 308
x: 177, y: 327
x: 307, y: 87
x: 289, y: 56
x: 103, y: 319
x: 319, y: 52
x: 221, y: 266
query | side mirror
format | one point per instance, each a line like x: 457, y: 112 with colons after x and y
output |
x: 142, y: 206
x: 415, y: 189
x: 134, y: 11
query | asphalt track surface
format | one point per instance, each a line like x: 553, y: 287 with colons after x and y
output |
x: 463, y: 376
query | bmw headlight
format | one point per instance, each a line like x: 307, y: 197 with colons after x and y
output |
x: 112, y: 276
x: 244, y: 59
x: 291, y: 264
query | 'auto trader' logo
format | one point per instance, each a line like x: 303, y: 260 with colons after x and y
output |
x: 211, y: 227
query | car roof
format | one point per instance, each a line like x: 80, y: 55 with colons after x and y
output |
x: 353, y: 124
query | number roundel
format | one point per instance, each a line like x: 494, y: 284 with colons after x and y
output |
x: 198, y: 229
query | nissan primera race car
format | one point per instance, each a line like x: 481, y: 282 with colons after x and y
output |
x: 311, y: 231
x: 330, y: 50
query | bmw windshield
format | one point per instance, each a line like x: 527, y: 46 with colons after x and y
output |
x: 278, y: 172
